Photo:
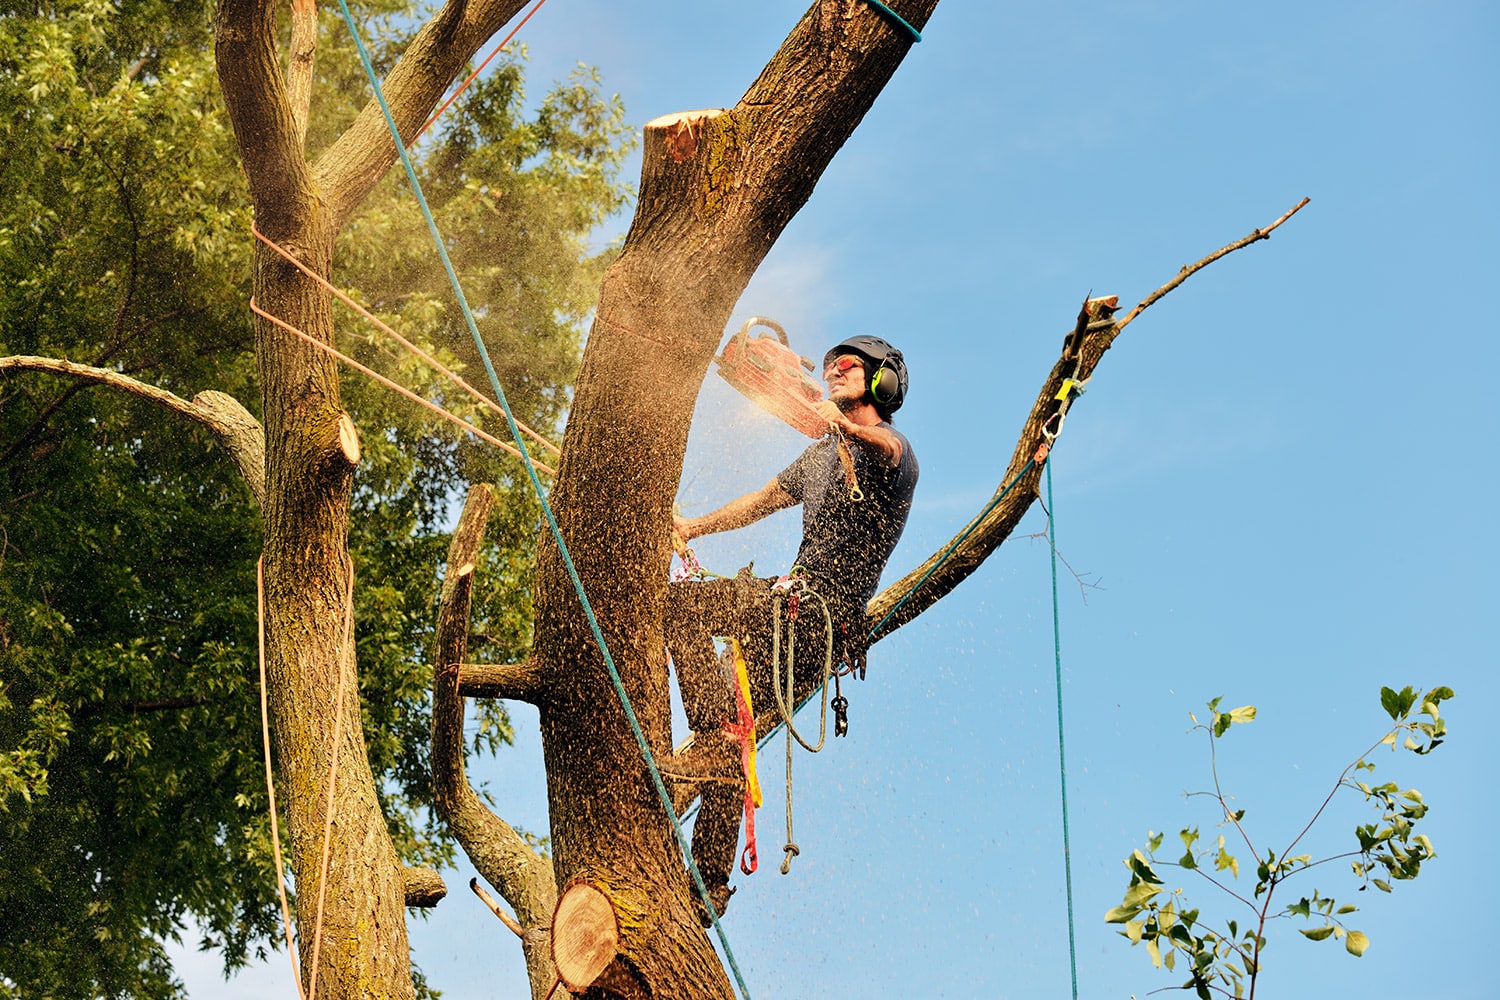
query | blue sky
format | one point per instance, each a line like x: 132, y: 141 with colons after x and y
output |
x: 1277, y: 478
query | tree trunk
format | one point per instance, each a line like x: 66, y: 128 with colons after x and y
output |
x: 356, y: 922
x: 717, y: 188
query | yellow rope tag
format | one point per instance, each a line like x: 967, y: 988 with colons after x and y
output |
x: 742, y: 680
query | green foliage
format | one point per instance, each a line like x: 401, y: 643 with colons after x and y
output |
x: 131, y: 792
x: 1224, y: 957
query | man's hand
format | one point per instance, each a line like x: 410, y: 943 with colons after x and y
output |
x: 682, y: 533
x: 829, y: 411
x: 884, y: 445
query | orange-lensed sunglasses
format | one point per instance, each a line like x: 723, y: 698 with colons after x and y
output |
x: 843, y: 363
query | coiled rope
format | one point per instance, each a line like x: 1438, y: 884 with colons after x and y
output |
x: 786, y: 701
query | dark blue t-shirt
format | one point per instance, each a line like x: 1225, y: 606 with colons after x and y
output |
x: 845, y: 544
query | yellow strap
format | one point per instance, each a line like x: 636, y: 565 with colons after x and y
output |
x: 742, y: 677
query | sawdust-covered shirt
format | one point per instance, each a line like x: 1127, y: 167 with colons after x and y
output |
x: 845, y: 543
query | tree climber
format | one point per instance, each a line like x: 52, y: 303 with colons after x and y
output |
x: 855, y: 486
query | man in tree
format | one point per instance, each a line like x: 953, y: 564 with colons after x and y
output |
x: 855, y: 486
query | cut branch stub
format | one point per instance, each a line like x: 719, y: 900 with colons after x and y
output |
x: 585, y: 935
x: 348, y: 439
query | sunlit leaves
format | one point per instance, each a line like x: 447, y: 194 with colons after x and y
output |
x: 1224, y: 963
x: 131, y: 792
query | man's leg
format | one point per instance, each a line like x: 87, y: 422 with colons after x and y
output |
x: 696, y: 612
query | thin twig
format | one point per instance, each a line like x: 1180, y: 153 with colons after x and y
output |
x: 1190, y: 269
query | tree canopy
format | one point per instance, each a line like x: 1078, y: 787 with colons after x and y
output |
x: 131, y: 781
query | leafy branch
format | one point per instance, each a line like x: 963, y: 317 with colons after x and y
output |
x: 1225, y: 960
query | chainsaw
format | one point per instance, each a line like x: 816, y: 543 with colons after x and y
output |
x: 773, y: 376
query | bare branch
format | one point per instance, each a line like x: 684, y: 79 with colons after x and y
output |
x: 237, y: 431
x: 1190, y: 269
x: 497, y: 851
x: 953, y: 563
x: 512, y: 681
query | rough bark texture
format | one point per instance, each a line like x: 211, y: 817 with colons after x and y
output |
x: 505, y: 860
x: 362, y: 949
x: 717, y: 188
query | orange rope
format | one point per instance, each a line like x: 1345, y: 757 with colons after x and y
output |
x: 451, y: 375
x: 265, y: 739
x: 403, y: 390
x: 454, y: 96
x: 346, y: 653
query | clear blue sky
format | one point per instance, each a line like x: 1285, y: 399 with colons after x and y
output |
x: 1277, y: 477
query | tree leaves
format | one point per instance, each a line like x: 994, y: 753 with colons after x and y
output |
x: 130, y: 773
x: 1221, y: 962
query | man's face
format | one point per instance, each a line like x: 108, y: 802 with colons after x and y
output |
x: 845, y: 376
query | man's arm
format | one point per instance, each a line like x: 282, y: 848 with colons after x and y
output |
x: 880, y: 443
x: 736, y: 514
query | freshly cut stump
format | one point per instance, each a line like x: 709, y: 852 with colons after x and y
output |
x: 585, y: 935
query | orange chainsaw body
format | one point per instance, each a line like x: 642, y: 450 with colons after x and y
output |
x: 773, y: 376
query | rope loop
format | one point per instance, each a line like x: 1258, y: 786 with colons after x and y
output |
x: 896, y: 19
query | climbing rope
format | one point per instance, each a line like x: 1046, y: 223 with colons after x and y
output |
x: 795, y: 591
x: 1062, y: 755
x: 412, y: 348
x: 346, y: 654
x: 265, y: 743
x: 896, y: 19
x: 562, y: 548
x: 403, y: 390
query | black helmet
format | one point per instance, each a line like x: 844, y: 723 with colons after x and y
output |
x: 885, y: 370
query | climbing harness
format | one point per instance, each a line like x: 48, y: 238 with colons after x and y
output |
x: 562, y: 548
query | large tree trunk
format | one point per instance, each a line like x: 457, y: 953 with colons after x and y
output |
x: 357, y: 921
x: 717, y: 189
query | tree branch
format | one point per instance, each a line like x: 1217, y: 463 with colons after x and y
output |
x: 360, y: 157
x: 1082, y: 352
x: 497, y: 851
x: 236, y: 430
x: 299, y: 70
x: 260, y: 109
x: 424, y: 887
x: 513, y: 681
x: 1191, y: 269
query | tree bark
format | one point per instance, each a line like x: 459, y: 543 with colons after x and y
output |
x: 505, y: 860
x: 360, y: 933
x: 717, y: 189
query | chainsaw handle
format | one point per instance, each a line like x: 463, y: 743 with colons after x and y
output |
x: 755, y: 321
x: 780, y: 331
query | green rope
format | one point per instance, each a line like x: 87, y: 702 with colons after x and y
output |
x: 896, y: 19
x: 1062, y: 755
x: 952, y: 547
x: 536, y: 485
x: 1030, y: 464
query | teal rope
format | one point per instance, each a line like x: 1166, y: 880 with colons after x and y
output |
x: 896, y: 19
x: 1030, y: 464
x: 1062, y: 755
x: 536, y: 485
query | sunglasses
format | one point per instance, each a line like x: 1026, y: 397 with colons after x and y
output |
x: 843, y: 363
